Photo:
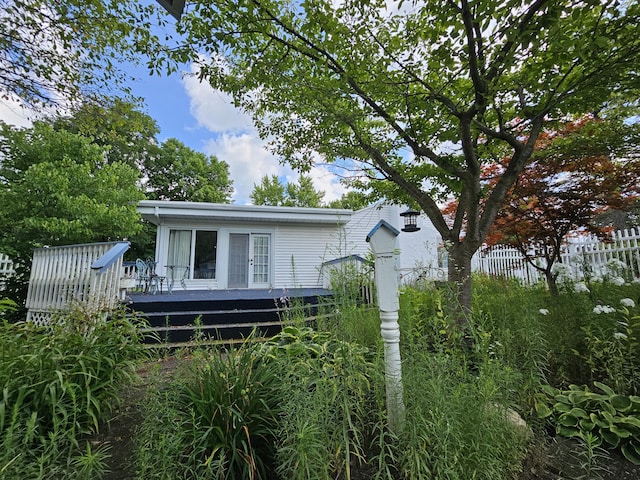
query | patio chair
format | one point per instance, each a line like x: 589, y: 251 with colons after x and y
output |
x: 142, y: 275
x: 147, y: 279
x: 177, y: 272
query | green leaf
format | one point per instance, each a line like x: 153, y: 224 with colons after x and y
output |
x: 631, y: 451
x: 542, y: 410
x: 604, y: 388
x: 587, y: 425
x: 621, y: 403
x: 567, y: 431
x: 611, y: 438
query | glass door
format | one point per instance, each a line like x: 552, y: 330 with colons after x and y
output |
x: 249, y: 260
x: 260, y: 263
x: 239, y: 260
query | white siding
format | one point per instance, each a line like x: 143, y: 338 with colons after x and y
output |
x: 417, y: 249
x: 299, y: 253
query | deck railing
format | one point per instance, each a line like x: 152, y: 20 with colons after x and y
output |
x: 86, y: 274
x: 6, y: 269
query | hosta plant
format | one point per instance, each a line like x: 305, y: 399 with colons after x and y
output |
x: 614, y: 419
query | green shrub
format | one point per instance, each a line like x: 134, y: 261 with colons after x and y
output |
x: 612, y: 419
x: 216, y: 420
x: 458, y: 425
x: 328, y: 395
x: 60, y: 383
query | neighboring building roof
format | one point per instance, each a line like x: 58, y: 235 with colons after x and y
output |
x: 160, y: 211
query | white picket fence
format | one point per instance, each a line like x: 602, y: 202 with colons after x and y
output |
x: 586, y: 252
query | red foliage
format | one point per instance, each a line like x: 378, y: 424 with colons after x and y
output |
x: 565, y: 186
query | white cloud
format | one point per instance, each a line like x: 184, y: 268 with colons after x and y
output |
x: 327, y: 182
x: 13, y: 113
x: 213, y: 109
x: 236, y: 142
x: 248, y: 161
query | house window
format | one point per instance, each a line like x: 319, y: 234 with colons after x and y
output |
x: 202, y: 243
x: 205, y: 254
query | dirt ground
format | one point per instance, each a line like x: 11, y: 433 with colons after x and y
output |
x: 558, y: 461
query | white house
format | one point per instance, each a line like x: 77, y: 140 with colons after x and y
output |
x: 220, y: 246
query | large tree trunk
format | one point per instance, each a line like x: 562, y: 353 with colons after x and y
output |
x: 460, y: 280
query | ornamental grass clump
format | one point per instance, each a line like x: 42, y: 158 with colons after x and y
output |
x: 60, y: 383
x: 328, y: 388
x: 215, y: 420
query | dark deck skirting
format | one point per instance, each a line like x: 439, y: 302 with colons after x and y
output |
x: 223, y: 314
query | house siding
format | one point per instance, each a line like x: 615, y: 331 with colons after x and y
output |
x: 302, y: 239
x: 417, y: 249
x: 299, y: 253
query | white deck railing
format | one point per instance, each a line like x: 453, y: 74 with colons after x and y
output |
x: 85, y: 274
x: 586, y: 252
x: 6, y: 269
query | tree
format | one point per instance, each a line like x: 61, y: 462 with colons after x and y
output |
x: 578, y: 172
x: 421, y: 95
x: 352, y: 200
x: 270, y: 192
x: 56, y: 189
x: 303, y: 194
x: 54, y: 53
x: 273, y: 192
x: 126, y: 133
x: 180, y: 173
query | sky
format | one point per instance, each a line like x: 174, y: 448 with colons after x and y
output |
x: 205, y: 121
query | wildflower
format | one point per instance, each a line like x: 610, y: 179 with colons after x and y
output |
x: 596, y: 279
x: 627, y: 302
x: 617, y: 281
x: 615, y: 265
x: 543, y: 311
x: 619, y: 336
x: 580, y: 287
x: 636, y: 280
x: 598, y: 309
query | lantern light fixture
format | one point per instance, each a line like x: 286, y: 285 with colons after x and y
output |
x: 410, y: 220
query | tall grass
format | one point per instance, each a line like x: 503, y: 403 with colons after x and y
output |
x: 60, y: 383
x: 216, y: 420
x: 320, y: 393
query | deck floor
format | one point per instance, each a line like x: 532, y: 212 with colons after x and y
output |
x: 180, y: 295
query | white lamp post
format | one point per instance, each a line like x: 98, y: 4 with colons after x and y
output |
x: 383, y: 241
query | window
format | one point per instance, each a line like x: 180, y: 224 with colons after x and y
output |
x: 203, y: 244
x: 205, y: 254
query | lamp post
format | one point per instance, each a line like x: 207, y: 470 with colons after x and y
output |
x: 383, y: 241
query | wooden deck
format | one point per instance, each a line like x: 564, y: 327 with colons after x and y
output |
x: 234, y: 295
x: 224, y: 315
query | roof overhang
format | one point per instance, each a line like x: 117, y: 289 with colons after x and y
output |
x: 174, y: 7
x: 161, y: 212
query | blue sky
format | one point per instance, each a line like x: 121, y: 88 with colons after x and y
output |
x: 205, y: 121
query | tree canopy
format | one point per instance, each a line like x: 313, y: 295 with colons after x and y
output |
x: 420, y: 95
x: 579, y: 171
x: 271, y: 191
x: 57, y: 53
x: 180, y: 173
x: 56, y: 188
x: 125, y: 132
